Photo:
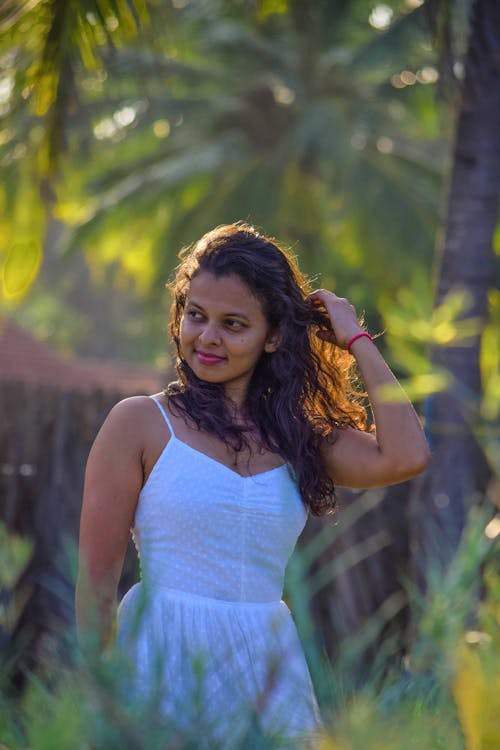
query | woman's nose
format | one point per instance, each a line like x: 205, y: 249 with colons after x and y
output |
x: 210, y: 334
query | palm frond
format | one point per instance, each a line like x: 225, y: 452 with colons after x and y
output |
x: 448, y: 24
x: 56, y: 37
x: 144, y: 187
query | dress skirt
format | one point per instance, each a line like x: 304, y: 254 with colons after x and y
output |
x: 217, y: 667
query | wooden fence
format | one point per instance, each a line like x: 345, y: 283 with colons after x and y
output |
x: 45, y: 437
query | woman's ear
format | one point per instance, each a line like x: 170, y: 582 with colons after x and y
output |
x: 273, y: 341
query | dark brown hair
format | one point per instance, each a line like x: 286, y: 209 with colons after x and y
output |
x: 299, y: 394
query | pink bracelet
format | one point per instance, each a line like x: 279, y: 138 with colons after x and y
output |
x: 356, y: 337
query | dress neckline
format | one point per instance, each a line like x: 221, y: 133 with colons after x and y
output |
x: 220, y: 463
x: 174, y: 438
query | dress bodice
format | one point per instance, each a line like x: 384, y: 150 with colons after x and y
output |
x: 202, y: 528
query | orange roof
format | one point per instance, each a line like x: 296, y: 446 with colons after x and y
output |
x: 23, y: 358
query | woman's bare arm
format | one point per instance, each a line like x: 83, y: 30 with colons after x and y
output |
x: 113, y: 480
x: 398, y: 449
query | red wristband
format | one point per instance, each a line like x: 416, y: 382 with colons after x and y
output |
x: 356, y: 337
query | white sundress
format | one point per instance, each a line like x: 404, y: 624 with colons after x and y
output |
x: 206, y: 621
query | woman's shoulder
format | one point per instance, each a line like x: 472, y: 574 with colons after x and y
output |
x: 131, y: 437
x: 130, y: 419
x: 132, y: 408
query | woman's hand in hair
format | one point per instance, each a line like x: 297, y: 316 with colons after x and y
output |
x: 396, y: 449
x: 343, y: 317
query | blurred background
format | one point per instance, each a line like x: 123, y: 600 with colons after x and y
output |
x: 133, y: 129
x: 364, y: 136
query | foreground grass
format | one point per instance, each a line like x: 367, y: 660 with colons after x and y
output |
x: 447, y: 695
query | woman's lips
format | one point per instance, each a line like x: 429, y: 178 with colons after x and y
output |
x: 208, y: 359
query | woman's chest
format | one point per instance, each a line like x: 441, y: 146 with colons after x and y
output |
x: 250, y: 461
x: 189, y: 494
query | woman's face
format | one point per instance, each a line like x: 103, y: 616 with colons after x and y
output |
x: 223, y: 332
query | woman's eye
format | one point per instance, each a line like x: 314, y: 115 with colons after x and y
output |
x: 194, y: 314
x: 235, y: 325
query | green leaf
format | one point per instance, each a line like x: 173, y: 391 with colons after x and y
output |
x: 15, y: 553
x: 20, y: 268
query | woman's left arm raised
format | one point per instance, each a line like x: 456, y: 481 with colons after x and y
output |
x: 398, y: 449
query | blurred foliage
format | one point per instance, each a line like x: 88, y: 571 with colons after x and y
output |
x: 449, y: 22
x: 20, y: 268
x: 15, y: 553
x: 47, y: 44
x: 139, y: 126
x: 414, y: 324
x: 445, y: 695
x: 476, y: 685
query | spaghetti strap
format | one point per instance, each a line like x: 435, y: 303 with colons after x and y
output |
x: 167, y: 420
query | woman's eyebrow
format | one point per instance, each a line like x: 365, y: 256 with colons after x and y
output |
x: 195, y: 304
x: 237, y: 315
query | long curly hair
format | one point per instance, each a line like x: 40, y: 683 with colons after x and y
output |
x: 298, y: 395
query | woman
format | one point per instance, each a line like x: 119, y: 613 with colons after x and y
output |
x: 215, y: 477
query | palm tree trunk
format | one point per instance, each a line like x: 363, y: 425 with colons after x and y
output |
x: 458, y: 474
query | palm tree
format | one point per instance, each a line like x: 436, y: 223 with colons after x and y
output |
x: 288, y: 119
x: 459, y: 473
x: 298, y: 117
